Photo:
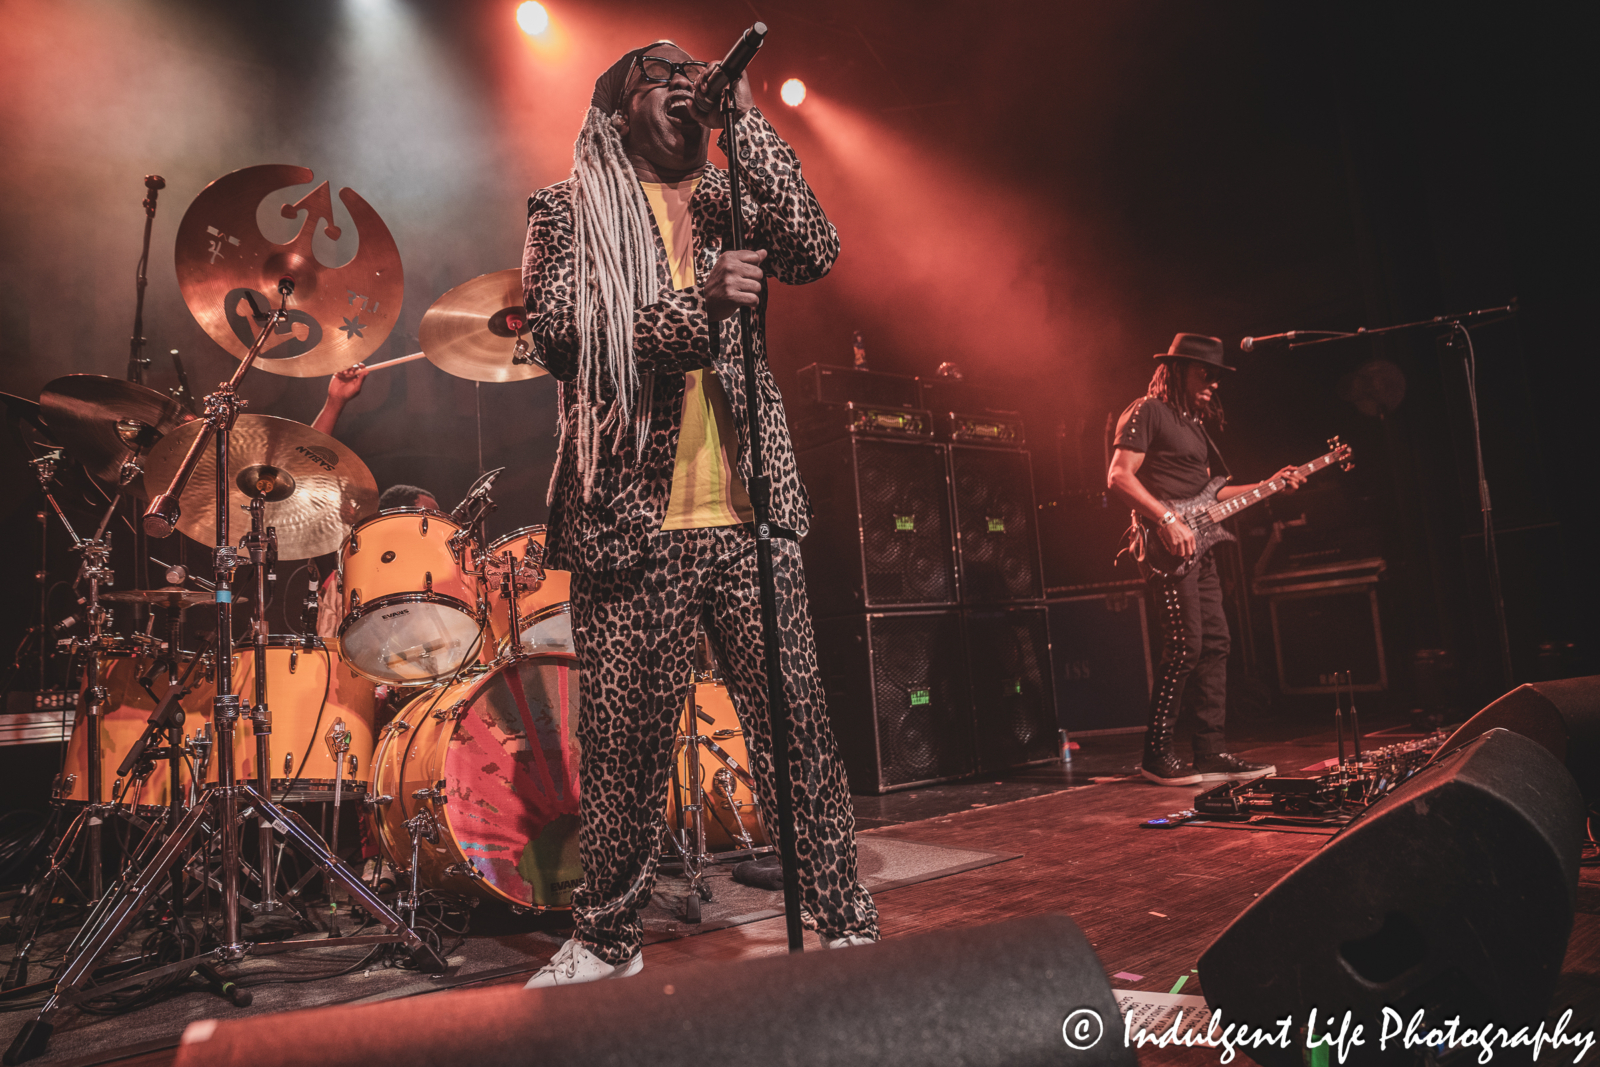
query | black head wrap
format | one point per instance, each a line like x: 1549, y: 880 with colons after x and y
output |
x: 608, y: 87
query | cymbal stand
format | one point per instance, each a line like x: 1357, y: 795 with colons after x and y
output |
x: 261, y: 484
x: 218, y: 805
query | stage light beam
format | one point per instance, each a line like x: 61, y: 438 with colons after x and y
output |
x: 793, y: 92
x: 533, y: 18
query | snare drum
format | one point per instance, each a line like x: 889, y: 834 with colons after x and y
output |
x: 725, y: 776
x: 309, y: 691
x: 543, y: 608
x: 122, y: 719
x: 410, y: 611
x: 501, y: 747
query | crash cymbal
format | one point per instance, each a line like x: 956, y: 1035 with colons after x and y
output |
x: 337, y: 315
x: 172, y: 596
x: 471, y: 331
x: 103, y: 421
x: 315, y: 487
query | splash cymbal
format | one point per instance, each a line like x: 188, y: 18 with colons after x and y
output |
x: 172, y: 596
x: 103, y: 422
x: 338, y: 316
x: 472, y: 331
x: 315, y: 487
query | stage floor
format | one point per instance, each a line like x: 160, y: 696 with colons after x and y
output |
x: 1150, y: 901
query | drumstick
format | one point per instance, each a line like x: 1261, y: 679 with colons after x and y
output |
x: 395, y: 362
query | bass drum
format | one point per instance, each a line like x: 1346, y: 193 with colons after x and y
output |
x: 123, y: 719
x: 309, y: 690
x: 501, y: 746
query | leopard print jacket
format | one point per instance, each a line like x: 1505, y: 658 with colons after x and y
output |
x: 671, y: 336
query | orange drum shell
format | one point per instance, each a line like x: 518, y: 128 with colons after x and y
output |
x: 294, y: 697
x: 556, y: 588
x: 402, y: 552
x: 414, y: 753
x: 127, y: 710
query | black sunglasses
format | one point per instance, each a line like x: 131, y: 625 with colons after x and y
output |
x: 656, y: 69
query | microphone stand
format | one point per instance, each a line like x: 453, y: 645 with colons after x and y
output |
x: 137, y: 362
x: 760, y: 491
x: 1457, y: 327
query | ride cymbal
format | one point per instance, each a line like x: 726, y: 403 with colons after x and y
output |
x: 228, y: 271
x: 315, y: 487
x: 102, y: 422
x: 472, y: 331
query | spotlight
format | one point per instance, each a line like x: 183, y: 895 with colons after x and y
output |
x: 533, y: 18
x: 793, y: 92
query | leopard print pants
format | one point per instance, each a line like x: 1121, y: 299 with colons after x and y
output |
x: 635, y: 634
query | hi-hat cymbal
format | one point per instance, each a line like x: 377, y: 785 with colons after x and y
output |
x: 172, y: 596
x: 315, y: 487
x: 338, y: 316
x: 103, y: 421
x: 471, y: 331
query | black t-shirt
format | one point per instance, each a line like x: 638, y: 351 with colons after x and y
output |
x: 1176, y: 450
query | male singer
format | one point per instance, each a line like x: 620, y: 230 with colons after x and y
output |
x: 633, y: 306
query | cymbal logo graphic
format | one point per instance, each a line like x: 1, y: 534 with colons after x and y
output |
x: 229, y: 273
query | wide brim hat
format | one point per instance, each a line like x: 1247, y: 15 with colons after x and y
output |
x: 1198, y: 347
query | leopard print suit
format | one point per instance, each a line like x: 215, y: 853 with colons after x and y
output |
x: 639, y: 593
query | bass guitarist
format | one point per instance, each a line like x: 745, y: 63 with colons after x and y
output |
x: 1162, y: 452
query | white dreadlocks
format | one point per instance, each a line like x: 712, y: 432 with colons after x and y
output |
x: 616, y: 274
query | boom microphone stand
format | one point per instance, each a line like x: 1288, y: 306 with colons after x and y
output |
x: 760, y: 491
x: 1456, y: 327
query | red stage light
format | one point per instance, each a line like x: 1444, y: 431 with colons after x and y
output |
x: 533, y: 18
x: 793, y: 92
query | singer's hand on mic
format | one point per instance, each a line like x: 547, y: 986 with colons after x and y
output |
x: 708, y: 110
x: 735, y: 282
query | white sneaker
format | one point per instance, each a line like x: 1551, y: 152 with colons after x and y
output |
x: 846, y: 941
x: 573, y: 963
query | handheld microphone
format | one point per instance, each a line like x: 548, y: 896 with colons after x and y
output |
x: 708, y: 96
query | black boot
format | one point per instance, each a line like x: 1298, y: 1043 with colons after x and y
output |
x: 1159, y: 764
x: 1226, y: 767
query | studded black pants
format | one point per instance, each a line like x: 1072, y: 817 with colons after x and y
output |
x: 1194, y: 654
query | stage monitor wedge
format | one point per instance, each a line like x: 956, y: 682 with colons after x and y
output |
x: 1563, y: 716
x: 1455, y: 894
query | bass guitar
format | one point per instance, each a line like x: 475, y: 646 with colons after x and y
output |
x: 1204, y: 514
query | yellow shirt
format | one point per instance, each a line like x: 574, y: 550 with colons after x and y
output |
x: 706, y: 490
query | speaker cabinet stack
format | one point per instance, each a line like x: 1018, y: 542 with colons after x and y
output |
x: 923, y: 569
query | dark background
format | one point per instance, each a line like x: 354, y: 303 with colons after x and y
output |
x: 1041, y: 192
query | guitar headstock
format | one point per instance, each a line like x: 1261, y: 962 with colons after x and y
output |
x: 1340, y: 453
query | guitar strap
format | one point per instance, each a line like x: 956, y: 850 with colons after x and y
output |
x: 1214, y: 454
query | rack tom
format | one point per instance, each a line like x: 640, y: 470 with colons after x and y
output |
x: 410, y: 609
x: 544, y: 611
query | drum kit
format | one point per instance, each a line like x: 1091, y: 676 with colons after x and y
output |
x: 472, y: 787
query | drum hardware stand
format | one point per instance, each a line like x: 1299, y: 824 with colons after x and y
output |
x: 86, y: 828
x: 222, y: 799
x: 760, y: 492
x: 262, y: 484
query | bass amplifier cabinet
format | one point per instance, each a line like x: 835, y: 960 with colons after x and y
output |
x: 824, y: 384
x: 996, y: 525
x: 882, y: 534
x: 899, y: 698
x: 1100, y: 653
x: 1013, y: 692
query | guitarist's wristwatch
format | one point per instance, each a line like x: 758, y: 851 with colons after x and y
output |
x: 1168, y: 519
